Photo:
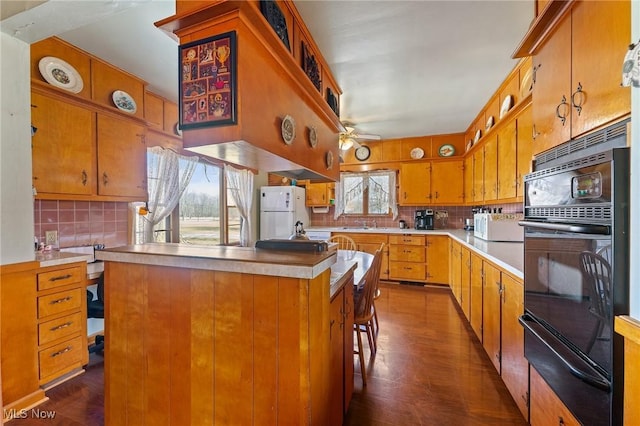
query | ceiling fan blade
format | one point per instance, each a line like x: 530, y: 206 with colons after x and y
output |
x: 368, y: 137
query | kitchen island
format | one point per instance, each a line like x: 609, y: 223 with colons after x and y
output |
x: 222, y: 335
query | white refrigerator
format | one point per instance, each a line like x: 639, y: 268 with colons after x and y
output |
x: 280, y: 208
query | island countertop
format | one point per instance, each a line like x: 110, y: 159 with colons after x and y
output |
x: 224, y: 258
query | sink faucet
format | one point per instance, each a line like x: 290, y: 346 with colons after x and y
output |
x: 375, y: 225
x: 363, y: 222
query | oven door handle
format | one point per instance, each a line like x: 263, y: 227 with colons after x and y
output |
x: 565, y: 227
x: 592, y: 378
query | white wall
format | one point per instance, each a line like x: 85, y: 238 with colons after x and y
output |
x: 635, y: 177
x: 16, y: 197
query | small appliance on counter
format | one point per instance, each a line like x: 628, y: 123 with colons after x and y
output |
x: 468, y: 224
x: 498, y: 226
x: 424, y: 219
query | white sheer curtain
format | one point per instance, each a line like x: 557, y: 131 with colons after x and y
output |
x: 240, y: 186
x: 345, y: 193
x: 168, y: 175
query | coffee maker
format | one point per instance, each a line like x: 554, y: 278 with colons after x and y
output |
x: 424, y: 219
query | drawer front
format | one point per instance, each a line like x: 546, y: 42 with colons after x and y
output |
x: 60, y: 359
x: 60, y: 277
x: 407, y: 253
x: 407, y: 271
x: 60, y: 302
x: 59, y: 328
x: 414, y: 240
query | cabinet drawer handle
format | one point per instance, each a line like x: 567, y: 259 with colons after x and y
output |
x: 560, y: 421
x: 60, y: 352
x: 105, y: 179
x: 408, y: 268
x: 581, y: 95
x: 563, y: 104
x: 60, y: 277
x: 534, y: 132
x: 64, y: 299
x: 61, y: 326
x: 85, y: 177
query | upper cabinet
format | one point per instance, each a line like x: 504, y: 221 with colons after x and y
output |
x: 438, y: 182
x: 577, y: 72
x: 85, y: 145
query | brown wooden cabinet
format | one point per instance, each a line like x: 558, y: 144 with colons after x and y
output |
x: 341, y: 335
x: 407, y: 257
x: 507, y: 160
x: 79, y: 153
x: 478, y: 176
x: 62, y: 321
x: 514, y: 366
x: 546, y: 408
x: 468, y: 179
x: 122, y: 158
x: 431, y: 183
x: 490, y: 177
x: 437, y: 255
x: 455, y: 270
x: 524, y: 148
x: 465, y: 281
x: 319, y: 194
x: 64, y: 153
x: 491, y: 313
x: 574, y: 94
x: 20, y: 374
x: 477, y: 279
x: 415, y: 184
x: 447, y: 182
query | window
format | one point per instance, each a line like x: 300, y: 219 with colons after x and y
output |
x: 202, y: 216
x: 367, y: 193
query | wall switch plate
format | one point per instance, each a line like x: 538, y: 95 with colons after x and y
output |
x: 51, y: 237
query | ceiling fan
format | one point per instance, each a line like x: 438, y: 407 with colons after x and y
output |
x: 351, y: 137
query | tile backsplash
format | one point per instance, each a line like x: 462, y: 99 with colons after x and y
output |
x: 454, y: 220
x: 82, y: 222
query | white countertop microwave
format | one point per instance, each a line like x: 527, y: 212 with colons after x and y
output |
x: 498, y: 226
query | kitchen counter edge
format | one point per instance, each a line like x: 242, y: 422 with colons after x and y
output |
x: 507, y: 255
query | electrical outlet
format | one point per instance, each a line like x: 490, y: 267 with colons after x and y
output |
x: 51, y: 237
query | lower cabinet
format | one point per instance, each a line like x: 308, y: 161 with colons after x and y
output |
x: 465, y: 281
x: 455, y: 271
x: 475, y: 317
x: 43, y: 329
x: 62, y: 321
x: 407, y: 257
x: 437, y: 259
x: 491, y: 313
x: 546, y: 408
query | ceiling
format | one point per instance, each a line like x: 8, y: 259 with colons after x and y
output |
x: 406, y: 68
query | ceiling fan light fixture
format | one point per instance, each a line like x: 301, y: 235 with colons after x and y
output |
x: 346, y: 143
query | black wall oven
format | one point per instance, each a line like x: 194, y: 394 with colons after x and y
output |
x: 576, y: 280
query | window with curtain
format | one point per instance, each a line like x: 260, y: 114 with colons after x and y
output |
x: 366, y: 193
x: 204, y: 214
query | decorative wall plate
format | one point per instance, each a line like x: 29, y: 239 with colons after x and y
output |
x: 506, y: 105
x: 526, y: 84
x: 489, y: 123
x: 60, y: 74
x: 288, y: 129
x: 362, y: 153
x: 477, y: 137
x: 416, y: 153
x: 446, y: 150
x: 329, y: 160
x: 124, y: 102
x: 313, y: 136
x: 177, y: 130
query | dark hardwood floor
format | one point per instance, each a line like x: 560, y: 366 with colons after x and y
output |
x: 429, y: 370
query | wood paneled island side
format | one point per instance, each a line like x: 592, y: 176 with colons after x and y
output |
x: 220, y: 335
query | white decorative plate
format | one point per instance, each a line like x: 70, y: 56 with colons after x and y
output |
x: 506, y: 105
x: 526, y: 84
x: 124, y: 102
x: 313, y: 137
x: 177, y: 130
x: 60, y: 74
x: 446, y: 150
x: 489, y: 123
x: 469, y: 145
x: 631, y: 67
x: 288, y: 129
x: 477, y: 137
x: 417, y: 153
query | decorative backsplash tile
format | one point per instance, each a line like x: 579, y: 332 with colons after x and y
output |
x: 82, y: 222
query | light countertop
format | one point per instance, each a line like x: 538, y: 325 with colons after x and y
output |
x: 507, y: 255
x: 55, y: 258
x: 293, y: 264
